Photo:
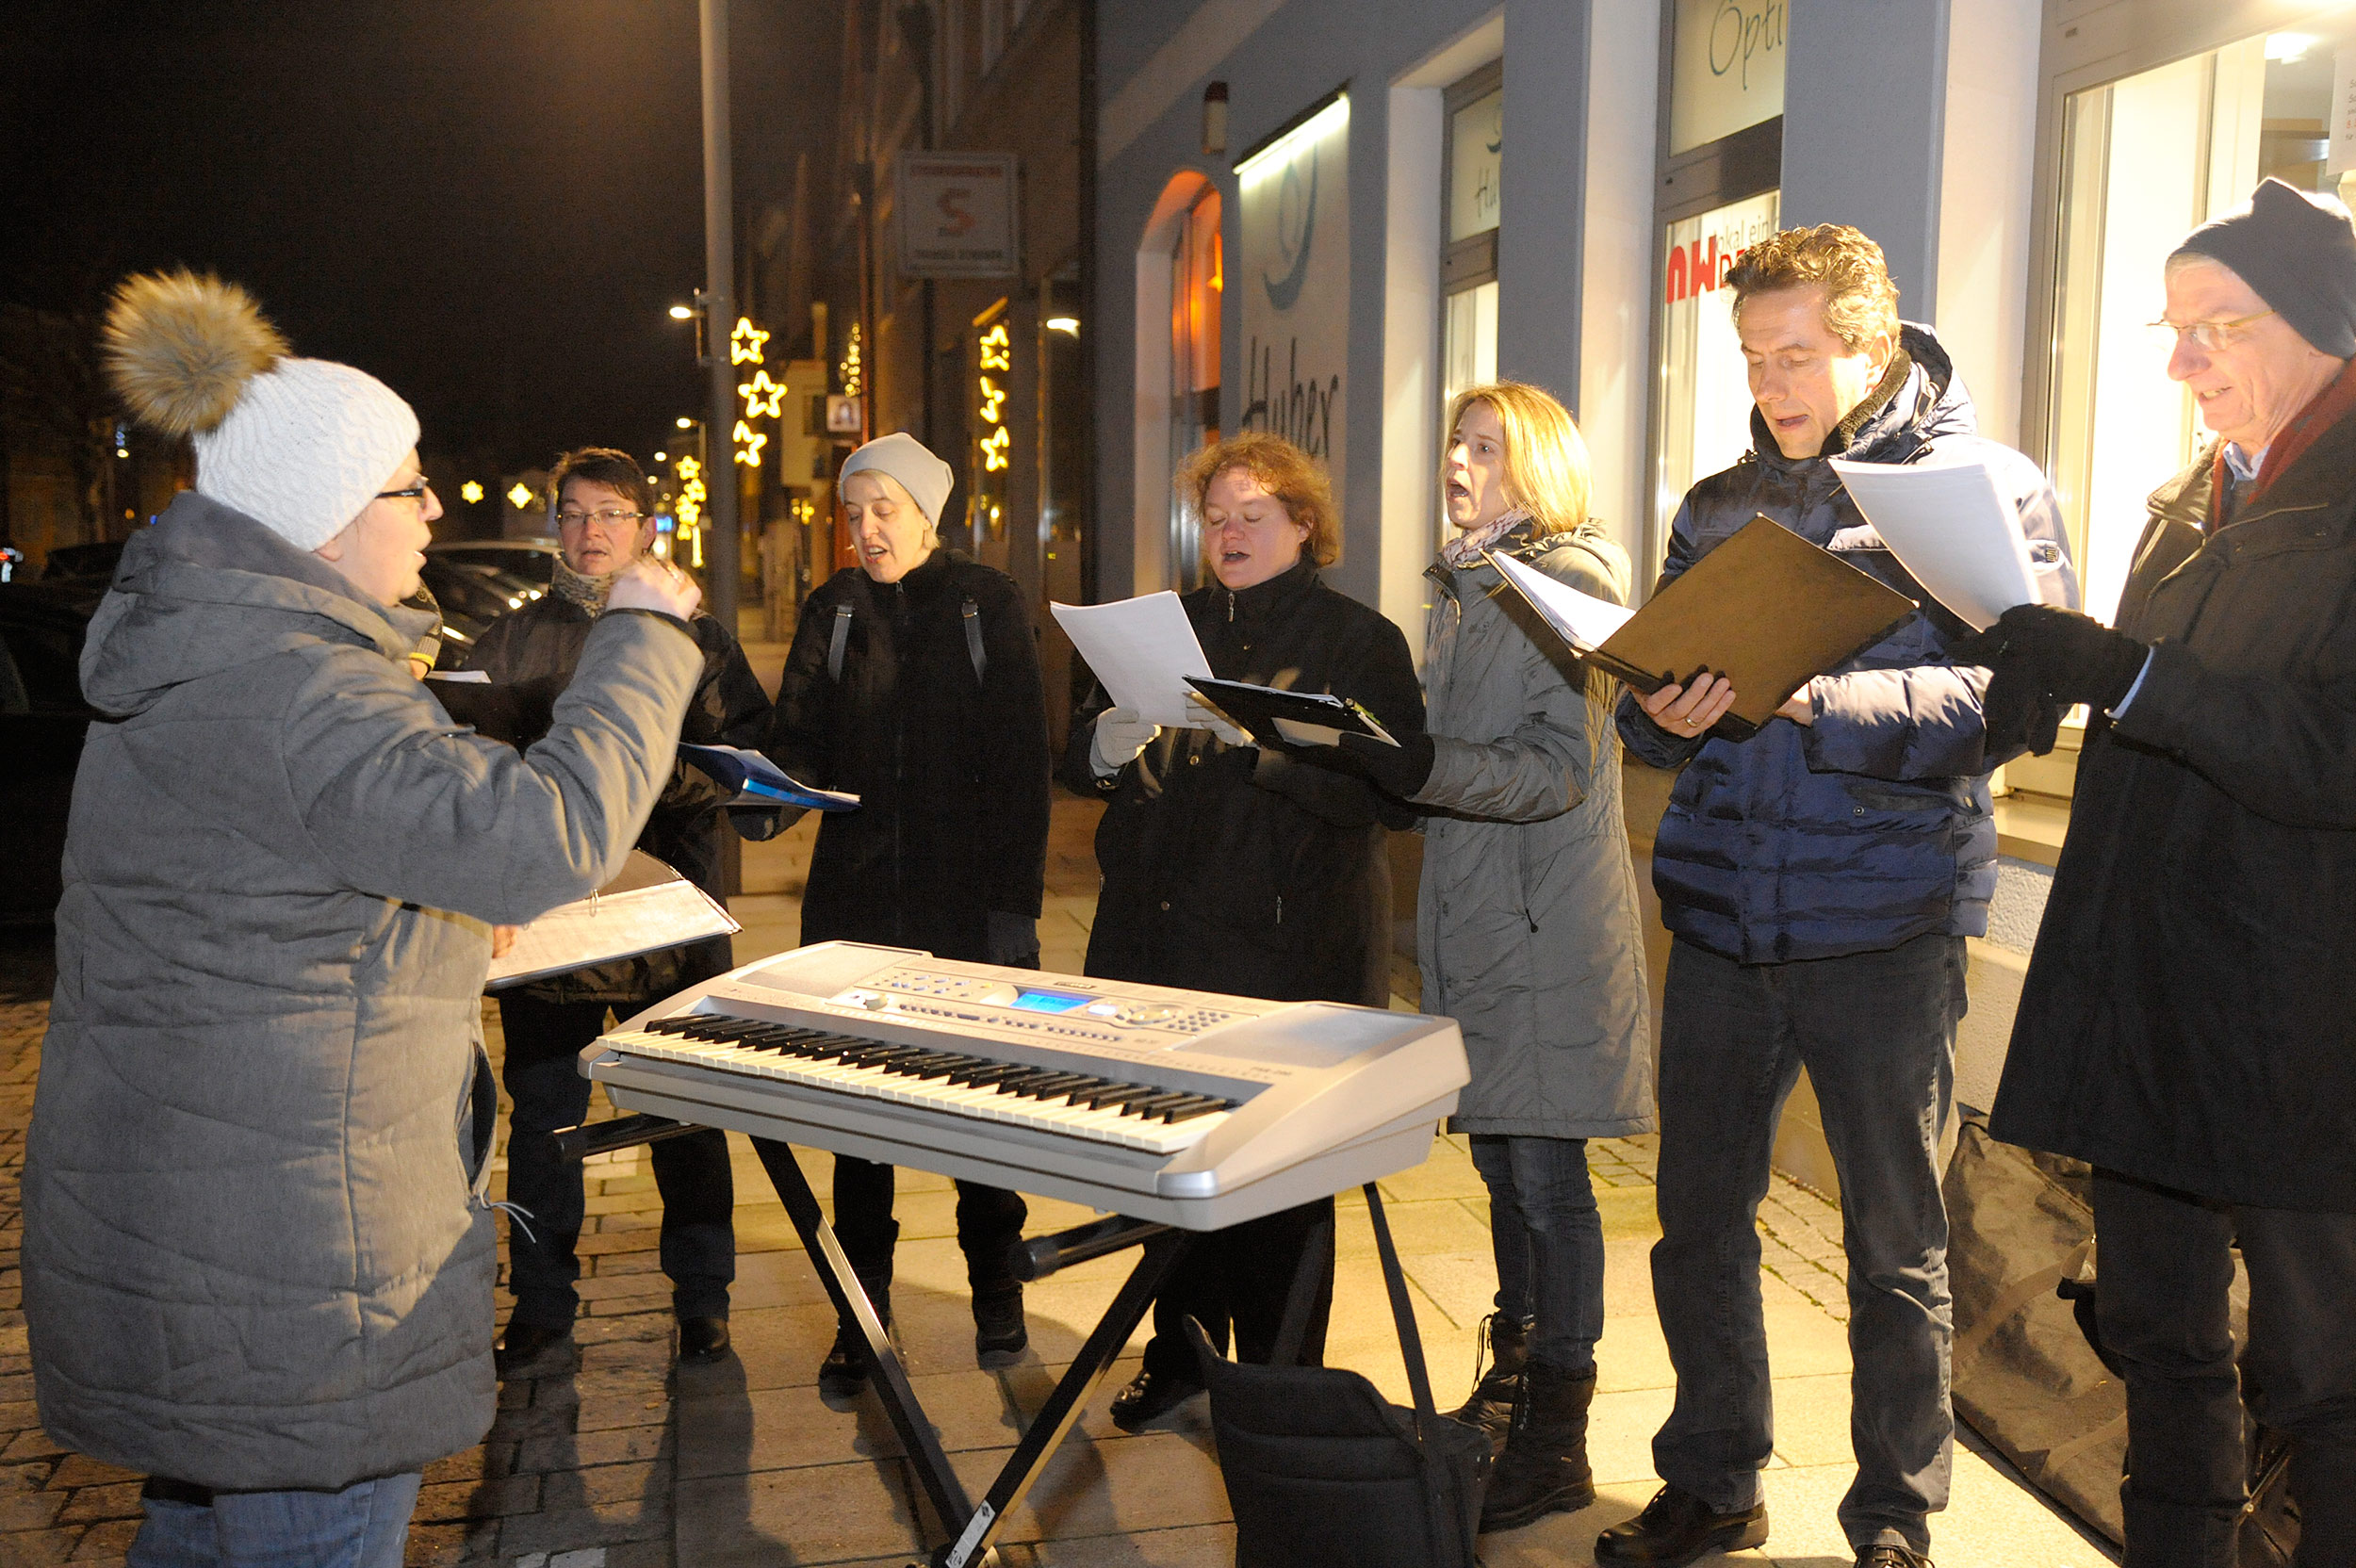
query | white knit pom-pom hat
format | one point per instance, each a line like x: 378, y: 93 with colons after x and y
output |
x: 301, y: 445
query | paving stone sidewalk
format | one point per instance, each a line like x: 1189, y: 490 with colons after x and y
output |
x: 605, y: 1455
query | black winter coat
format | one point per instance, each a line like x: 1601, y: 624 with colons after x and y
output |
x: 533, y: 651
x: 951, y: 769
x: 2185, y: 1018
x: 1243, y: 869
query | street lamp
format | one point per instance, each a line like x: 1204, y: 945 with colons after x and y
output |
x: 682, y: 313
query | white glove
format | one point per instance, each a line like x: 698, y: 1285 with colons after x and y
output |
x: 1210, y: 718
x: 1120, y: 736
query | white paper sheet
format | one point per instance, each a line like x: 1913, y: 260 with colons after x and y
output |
x: 1142, y: 649
x: 1585, y: 621
x: 610, y: 925
x: 1950, y: 527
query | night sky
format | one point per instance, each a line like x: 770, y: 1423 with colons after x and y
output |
x: 487, y: 203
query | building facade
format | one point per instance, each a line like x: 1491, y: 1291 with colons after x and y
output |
x: 1320, y: 217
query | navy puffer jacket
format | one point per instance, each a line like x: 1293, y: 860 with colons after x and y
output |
x: 1873, y: 826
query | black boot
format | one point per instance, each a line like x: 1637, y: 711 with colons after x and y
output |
x: 843, y: 1373
x: 1000, y: 1334
x: 1544, y: 1469
x: 1491, y: 1407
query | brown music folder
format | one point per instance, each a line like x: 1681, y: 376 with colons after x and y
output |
x: 1766, y: 609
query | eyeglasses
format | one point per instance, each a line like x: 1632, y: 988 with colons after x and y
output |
x: 603, y: 519
x: 415, y: 492
x: 2211, y: 336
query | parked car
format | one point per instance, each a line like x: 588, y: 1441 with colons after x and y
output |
x: 532, y: 560
x: 42, y: 722
x: 80, y: 564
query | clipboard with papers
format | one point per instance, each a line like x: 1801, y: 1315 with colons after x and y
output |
x: 648, y: 908
x: 1765, y: 609
x: 1272, y: 714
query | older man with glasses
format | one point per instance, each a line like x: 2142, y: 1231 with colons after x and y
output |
x: 2185, y: 1023
x: 604, y: 526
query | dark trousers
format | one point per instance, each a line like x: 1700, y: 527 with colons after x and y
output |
x: 1547, y: 1235
x: 1236, y: 1281
x: 2166, y: 1261
x: 1877, y: 1033
x: 543, y: 1077
x: 989, y: 1222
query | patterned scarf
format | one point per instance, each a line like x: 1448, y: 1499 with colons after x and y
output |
x: 1465, y: 549
x: 583, y: 590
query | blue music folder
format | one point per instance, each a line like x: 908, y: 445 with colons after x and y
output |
x: 759, y: 781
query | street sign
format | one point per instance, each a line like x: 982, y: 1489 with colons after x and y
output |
x: 957, y: 215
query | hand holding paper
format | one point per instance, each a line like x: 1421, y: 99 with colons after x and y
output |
x: 1951, y: 527
x: 1143, y: 649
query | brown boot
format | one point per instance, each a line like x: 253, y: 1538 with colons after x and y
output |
x: 1544, y: 1469
x: 1490, y: 1408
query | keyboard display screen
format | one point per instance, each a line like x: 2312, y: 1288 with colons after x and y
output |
x: 1050, y: 1002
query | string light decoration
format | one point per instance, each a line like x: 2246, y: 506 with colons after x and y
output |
x: 852, y: 369
x: 690, y: 510
x: 763, y: 399
x: 748, y: 443
x: 746, y: 341
x: 470, y: 491
x: 521, y: 497
x: 993, y: 351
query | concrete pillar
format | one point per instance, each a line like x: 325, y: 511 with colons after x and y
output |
x: 1864, y: 118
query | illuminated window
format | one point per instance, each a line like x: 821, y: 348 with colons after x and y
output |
x: 1473, y: 161
x: 1197, y: 285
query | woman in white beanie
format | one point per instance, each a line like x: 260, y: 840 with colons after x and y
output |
x: 259, y: 1249
x: 914, y: 681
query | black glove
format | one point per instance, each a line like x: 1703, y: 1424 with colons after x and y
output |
x: 2043, y: 660
x: 1013, y: 940
x: 1401, y: 770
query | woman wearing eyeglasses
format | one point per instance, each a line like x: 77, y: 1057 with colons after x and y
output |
x: 604, y: 526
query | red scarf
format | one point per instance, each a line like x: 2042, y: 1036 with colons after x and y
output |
x: 2330, y: 406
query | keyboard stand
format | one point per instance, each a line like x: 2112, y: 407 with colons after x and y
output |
x: 1036, y: 1258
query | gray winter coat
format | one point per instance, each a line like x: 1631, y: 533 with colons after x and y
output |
x: 251, y: 1257
x: 1526, y: 922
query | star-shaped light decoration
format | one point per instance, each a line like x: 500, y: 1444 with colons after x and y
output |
x: 996, y: 352
x: 521, y: 497
x: 746, y: 341
x: 470, y: 491
x: 748, y: 444
x: 764, y: 397
x: 993, y: 399
x: 994, y: 446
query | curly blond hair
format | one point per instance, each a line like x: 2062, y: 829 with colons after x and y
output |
x: 1546, y: 470
x: 1297, y: 481
x: 1860, y: 302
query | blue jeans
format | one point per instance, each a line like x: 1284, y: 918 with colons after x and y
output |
x: 1876, y: 1032
x: 364, y: 1525
x: 1548, y: 1239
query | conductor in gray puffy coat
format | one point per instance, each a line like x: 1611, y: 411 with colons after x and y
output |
x: 258, y: 1256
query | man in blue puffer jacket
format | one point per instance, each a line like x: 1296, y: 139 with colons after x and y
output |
x: 1820, y: 879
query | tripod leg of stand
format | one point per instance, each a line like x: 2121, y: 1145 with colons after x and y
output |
x: 942, y: 1487
x: 1079, y: 1385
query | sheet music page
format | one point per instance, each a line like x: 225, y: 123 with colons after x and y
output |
x: 1142, y: 649
x: 610, y: 925
x: 1585, y: 621
x: 1950, y: 528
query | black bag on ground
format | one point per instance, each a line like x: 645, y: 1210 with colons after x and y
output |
x: 1324, y: 1472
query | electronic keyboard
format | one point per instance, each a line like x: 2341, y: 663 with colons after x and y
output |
x: 1184, y: 1107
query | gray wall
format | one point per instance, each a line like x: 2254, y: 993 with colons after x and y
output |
x: 1864, y: 118
x: 1303, y: 49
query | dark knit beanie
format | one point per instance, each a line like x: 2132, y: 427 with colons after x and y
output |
x: 2299, y: 252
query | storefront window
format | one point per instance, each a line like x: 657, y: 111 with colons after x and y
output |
x: 1705, y: 419
x: 2144, y: 161
x: 1197, y: 282
x: 1475, y: 160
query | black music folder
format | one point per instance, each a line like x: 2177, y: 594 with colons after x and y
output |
x: 1274, y: 715
x: 1766, y: 609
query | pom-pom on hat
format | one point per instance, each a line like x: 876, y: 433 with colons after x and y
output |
x: 299, y: 445
x: 2298, y: 252
x: 924, y: 477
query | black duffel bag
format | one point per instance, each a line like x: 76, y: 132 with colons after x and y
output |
x: 1324, y: 1472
